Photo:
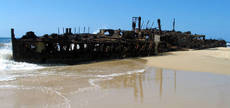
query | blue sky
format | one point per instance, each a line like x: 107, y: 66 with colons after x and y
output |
x: 209, y: 17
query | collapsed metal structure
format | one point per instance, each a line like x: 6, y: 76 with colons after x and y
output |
x: 72, y: 48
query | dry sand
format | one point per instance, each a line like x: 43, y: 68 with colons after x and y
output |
x: 216, y: 60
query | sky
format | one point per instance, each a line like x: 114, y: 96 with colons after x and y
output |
x: 207, y: 17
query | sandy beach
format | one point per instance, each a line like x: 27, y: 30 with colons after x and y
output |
x: 183, y: 79
x: 215, y: 60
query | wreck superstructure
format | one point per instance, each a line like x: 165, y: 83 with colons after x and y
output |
x: 73, y: 48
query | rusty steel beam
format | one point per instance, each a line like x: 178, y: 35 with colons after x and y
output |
x: 159, y: 25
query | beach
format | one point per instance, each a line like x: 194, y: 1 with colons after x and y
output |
x: 183, y: 79
x: 215, y: 60
x: 114, y: 54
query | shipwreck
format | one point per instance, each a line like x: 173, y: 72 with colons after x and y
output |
x: 74, y: 48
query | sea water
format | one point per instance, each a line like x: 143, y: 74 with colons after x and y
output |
x: 7, y: 65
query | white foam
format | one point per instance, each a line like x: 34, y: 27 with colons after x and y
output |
x: 111, y: 76
x: 6, y: 78
x: 120, y: 74
x: 9, y: 86
x: 7, y: 64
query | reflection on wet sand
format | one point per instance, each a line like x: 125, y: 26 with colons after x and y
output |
x: 164, y: 88
x: 141, y: 88
x: 137, y: 80
x: 159, y: 78
x: 175, y: 81
x: 134, y: 81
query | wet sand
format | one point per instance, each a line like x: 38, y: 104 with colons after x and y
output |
x: 161, y: 88
x: 130, y: 83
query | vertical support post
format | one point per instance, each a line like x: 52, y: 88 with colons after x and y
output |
x: 157, y: 40
x: 12, y: 34
x: 139, y: 24
x: 13, y: 41
x: 58, y: 31
x: 66, y: 31
x: 134, y: 23
x: 133, y: 26
x: 159, y: 25
x: 70, y: 31
x: 174, y: 24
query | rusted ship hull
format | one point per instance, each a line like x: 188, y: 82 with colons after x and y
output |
x: 69, y: 48
x: 73, y: 52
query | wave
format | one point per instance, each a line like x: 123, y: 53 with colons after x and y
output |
x: 2, y: 45
x: 99, y: 78
x: 7, y: 65
x: 111, y: 76
x: 120, y: 74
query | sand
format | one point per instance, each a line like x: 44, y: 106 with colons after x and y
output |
x: 215, y: 60
x: 184, y: 79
